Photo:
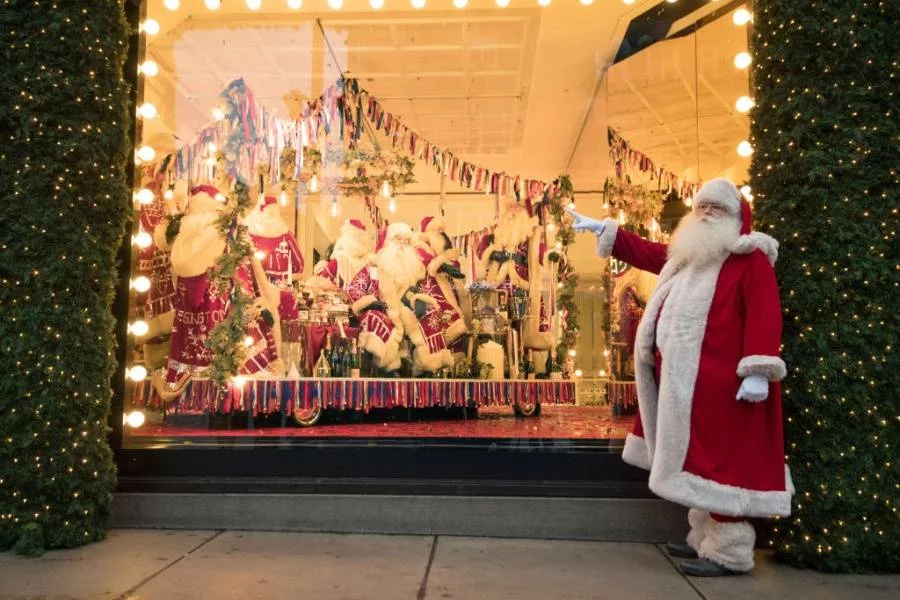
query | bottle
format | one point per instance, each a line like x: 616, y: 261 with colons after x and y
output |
x: 335, y: 358
x: 528, y: 365
x: 354, y: 360
x: 345, y: 358
x: 323, y: 367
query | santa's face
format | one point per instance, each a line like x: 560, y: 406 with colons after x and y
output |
x: 706, y: 236
x: 399, y: 263
x: 710, y: 212
x: 515, y: 226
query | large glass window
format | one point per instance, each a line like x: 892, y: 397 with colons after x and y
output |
x: 350, y: 215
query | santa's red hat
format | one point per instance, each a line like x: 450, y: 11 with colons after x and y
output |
x: 356, y: 223
x: 379, y: 240
x: 203, y: 198
x: 204, y: 188
x: 722, y: 192
x: 431, y: 224
x: 746, y: 216
x: 267, y: 201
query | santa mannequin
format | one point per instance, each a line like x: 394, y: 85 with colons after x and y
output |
x: 707, y: 366
x: 197, y: 245
x: 513, y: 261
x: 352, y: 251
x: 400, y: 270
x: 282, y: 261
x: 153, y: 261
x: 441, y: 262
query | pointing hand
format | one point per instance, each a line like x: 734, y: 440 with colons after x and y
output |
x: 583, y: 223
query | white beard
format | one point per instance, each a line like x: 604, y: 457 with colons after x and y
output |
x: 700, y: 240
x: 513, y: 229
x: 400, y: 266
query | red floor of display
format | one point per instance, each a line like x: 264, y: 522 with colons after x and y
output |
x: 555, y: 422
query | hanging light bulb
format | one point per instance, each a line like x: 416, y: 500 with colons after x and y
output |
x: 335, y: 209
x: 170, y: 192
x: 622, y: 218
x: 212, y: 4
x: 139, y: 328
x: 254, y: 4
x: 136, y: 373
x: 392, y: 206
x: 502, y: 3
x: 744, y: 104
x: 460, y: 3
x: 259, y: 255
x: 745, y: 149
x: 689, y: 202
x: 218, y: 113
x: 335, y: 4
x: 143, y: 240
x: 146, y: 153
x: 283, y: 198
x: 742, y: 60
x: 573, y: 352
x: 628, y: 1
x: 295, y: 4
x: 145, y: 196
x: 248, y: 341
x: 172, y: 4
x: 314, y: 183
x: 544, y: 2
x: 418, y: 3
x: 386, y: 189
x: 741, y: 17
x: 220, y: 197
x: 376, y: 4
x: 135, y: 418
x: 150, y: 26
x: 147, y: 111
x: 149, y: 68
x: 586, y: 2
x: 211, y: 147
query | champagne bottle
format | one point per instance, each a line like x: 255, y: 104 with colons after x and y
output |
x: 345, y: 358
x: 323, y: 367
x: 528, y: 366
x: 335, y: 358
x: 354, y: 359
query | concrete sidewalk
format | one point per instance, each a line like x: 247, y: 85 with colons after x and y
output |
x: 171, y: 565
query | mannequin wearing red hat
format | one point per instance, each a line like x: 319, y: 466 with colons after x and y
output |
x: 441, y: 263
x: 352, y: 251
x: 707, y: 366
x: 513, y: 260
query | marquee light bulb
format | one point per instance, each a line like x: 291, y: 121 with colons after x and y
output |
x: 386, y: 189
x: 586, y: 2
x: 149, y: 68
x: 172, y: 4
x: 136, y: 373
x: 741, y: 16
x: 283, y: 198
x: 335, y: 4
x: 544, y: 2
x: 742, y: 60
x: 143, y: 240
x: 502, y: 3
x: 335, y: 208
x: 139, y: 328
x: 254, y: 4
x: 376, y: 4
x: 150, y: 26
x: 145, y: 196
x: 135, y: 419
x: 147, y: 111
x: 744, y: 104
x: 212, y: 4
x: 140, y: 284
x: 418, y: 3
x: 460, y: 3
x: 745, y: 149
x: 146, y: 153
x: 295, y: 4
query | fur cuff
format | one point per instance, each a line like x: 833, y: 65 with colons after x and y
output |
x: 607, y: 239
x: 771, y: 367
x: 436, y: 263
x: 363, y: 302
x: 729, y: 545
x: 635, y: 452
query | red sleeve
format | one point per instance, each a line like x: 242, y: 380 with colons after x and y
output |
x: 296, y: 255
x: 761, y: 344
x: 638, y: 252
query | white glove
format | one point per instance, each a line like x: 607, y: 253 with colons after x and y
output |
x: 754, y: 388
x: 583, y: 223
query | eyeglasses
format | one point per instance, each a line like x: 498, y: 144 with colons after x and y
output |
x: 708, y: 208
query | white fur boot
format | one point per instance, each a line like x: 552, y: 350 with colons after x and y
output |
x: 729, y: 545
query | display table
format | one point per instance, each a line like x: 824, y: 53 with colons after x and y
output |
x: 289, y: 395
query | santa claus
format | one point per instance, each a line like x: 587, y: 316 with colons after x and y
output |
x: 400, y: 271
x: 441, y: 263
x: 707, y: 366
x: 351, y: 252
x: 513, y: 258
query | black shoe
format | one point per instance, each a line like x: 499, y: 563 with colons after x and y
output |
x: 681, y: 550
x: 705, y: 568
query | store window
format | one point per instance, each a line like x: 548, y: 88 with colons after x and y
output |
x: 350, y: 216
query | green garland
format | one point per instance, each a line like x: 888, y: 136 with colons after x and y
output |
x: 824, y: 177
x: 639, y: 203
x: 65, y: 205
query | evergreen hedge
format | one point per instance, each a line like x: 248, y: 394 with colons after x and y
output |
x: 64, y: 150
x: 826, y: 134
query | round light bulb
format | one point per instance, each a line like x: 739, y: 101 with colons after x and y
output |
x: 586, y: 2
x: 392, y: 206
x: 248, y: 341
x: 259, y: 255
x: 145, y: 196
x: 742, y: 60
x: 295, y: 4
x: 744, y: 104
x: 628, y: 1
x: 572, y: 352
x: 544, y: 2
x: 139, y: 328
x: 335, y: 4
x: 218, y: 113
x: 172, y: 4
x: 572, y: 205
x: 688, y: 201
x: 745, y: 190
x: 150, y: 26
x: 254, y: 4
x: 146, y: 153
x: 147, y: 111
x: 578, y: 372
x: 502, y: 3
x: 143, y: 240
x: 137, y: 373
x: 314, y: 184
x: 283, y: 198
x: 418, y: 3
x: 745, y: 149
x: 386, y: 189
x: 212, y: 4
x: 460, y: 3
x: 335, y: 209
x: 376, y: 4
x: 169, y: 194
x: 149, y: 68
x: 135, y: 419
x: 550, y: 226
x: 141, y: 284
x: 741, y: 16
x: 220, y: 197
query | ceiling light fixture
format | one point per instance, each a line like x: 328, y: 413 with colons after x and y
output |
x: 212, y: 4
x: 502, y: 3
x: 376, y: 4
x: 460, y: 3
x: 335, y: 4
x: 172, y: 4
x: 295, y: 4
x: 544, y: 2
x: 418, y: 3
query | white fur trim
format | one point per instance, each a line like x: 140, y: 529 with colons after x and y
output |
x: 729, y: 545
x: 198, y: 244
x: 386, y: 353
x: 721, y: 192
x: 607, y: 239
x: 635, y: 452
x: 755, y: 240
x: 363, y: 302
x: 267, y: 223
x: 432, y: 361
x: 455, y: 330
x: 687, y: 292
x: 436, y: 263
x: 771, y: 367
x: 699, y: 521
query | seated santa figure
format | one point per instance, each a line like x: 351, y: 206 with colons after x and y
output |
x: 441, y: 262
x: 401, y: 271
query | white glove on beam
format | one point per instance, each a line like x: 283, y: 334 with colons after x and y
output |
x: 754, y: 388
x: 583, y: 223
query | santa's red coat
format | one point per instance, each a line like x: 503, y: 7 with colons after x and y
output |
x: 704, y: 329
